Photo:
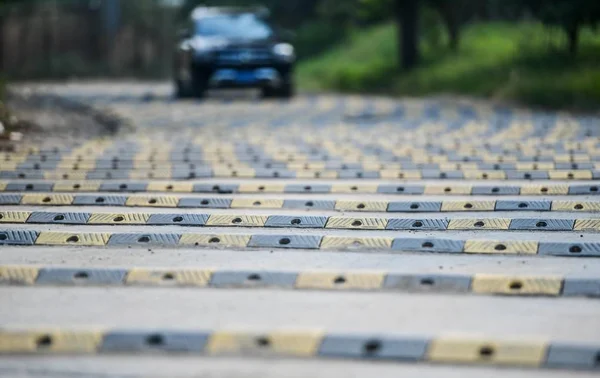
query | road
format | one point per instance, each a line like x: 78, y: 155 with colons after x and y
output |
x: 328, y: 236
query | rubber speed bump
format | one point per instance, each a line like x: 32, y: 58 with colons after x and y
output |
x: 468, y: 205
x: 49, y: 342
x: 47, y: 199
x: 168, y: 277
x: 125, y: 218
x: 153, y: 341
x: 493, y: 284
x: 89, y: 200
x: 344, y: 242
x: 237, y: 220
x: 340, y: 281
x: 14, y: 216
x: 256, y: 203
x: 180, y: 187
x: 18, y: 237
x: 356, y: 223
x: 428, y: 283
x: 552, y: 189
x: 459, y: 350
x: 67, y: 238
x: 253, y: 279
x: 507, y: 247
x: 281, y: 343
x: 69, y: 276
x: 415, y: 207
x: 417, y: 224
x: 143, y: 239
x: 479, y: 224
x: 285, y: 241
x: 220, y: 240
x: 574, y: 249
x: 344, y: 205
x: 373, y: 348
x: 18, y: 275
x: 158, y: 201
x: 586, y: 206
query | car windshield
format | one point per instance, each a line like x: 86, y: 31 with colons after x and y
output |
x: 234, y: 26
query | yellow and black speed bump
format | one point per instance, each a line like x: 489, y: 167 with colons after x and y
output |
x: 484, y: 284
x: 308, y: 343
x: 296, y: 188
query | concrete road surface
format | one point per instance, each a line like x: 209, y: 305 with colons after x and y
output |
x: 328, y: 236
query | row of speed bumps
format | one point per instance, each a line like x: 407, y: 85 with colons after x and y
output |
x: 304, y: 344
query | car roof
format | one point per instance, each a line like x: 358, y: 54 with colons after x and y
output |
x: 203, y: 12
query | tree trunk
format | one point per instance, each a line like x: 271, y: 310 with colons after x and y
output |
x: 1, y: 42
x: 573, y: 38
x: 449, y: 14
x: 407, y: 17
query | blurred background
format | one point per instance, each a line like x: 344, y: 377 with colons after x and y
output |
x: 535, y: 52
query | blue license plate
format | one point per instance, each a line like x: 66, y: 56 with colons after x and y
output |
x: 246, y: 77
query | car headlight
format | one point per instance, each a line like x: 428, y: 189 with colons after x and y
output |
x: 284, y: 51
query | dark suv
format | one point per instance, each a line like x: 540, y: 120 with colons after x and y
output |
x: 233, y: 48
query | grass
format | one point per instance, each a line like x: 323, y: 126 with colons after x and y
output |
x: 523, y: 63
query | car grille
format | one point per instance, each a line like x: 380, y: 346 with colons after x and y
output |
x: 243, y: 56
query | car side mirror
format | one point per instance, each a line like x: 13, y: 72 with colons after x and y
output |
x: 184, y: 33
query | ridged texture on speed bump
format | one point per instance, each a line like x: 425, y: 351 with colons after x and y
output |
x: 349, y: 242
x: 60, y: 218
x: 428, y: 283
x: 501, y: 247
x: 479, y: 224
x: 286, y: 343
x: 202, y: 203
x: 296, y: 221
x: 587, y: 225
x: 308, y: 204
x: 340, y: 281
x: 261, y: 188
x: 178, y: 219
x: 447, y: 189
x: 415, y: 206
x: 507, y: 285
x: 354, y: 188
x: 237, y: 220
x: 569, y: 249
x: 417, y: 224
x: 165, y: 277
x: 90, y: 200
x: 118, y: 218
x: 253, y: 279
x: 14, y: 216
x: 545, y: 189
x: 10, y: 199
x: 361, y: 205
x: 180, y: 187
x: 140, y: 342
x: 261, y: 203
x: 428, y: 245
x: 373, y: 348
x: 220, y: 240
x: 285, y: 241
x: 18, y: 275
x: 47, y: 199
x: 18, y: 237
x: 468, y: 205
x: 356, y: 223
x: 509, y: 205
x: 156, y: 201
x: 72, y: 238
x: 49, y: 342
x: 143, y: 239
x: 585, y: 206
x: 461, y: 350
x: 69, y: 276
x: 542, y: 224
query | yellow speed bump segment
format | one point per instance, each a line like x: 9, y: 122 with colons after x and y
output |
x: 501, y: 247
x: 47, y: 199
x: 261, y: 187
x: 168, y: 186
x: 237, y: 220
x: 256, y: 203
x: 68, y: 238
x: 525, y: 285
x: 340, y: 281
x: 448, y: 189
x: 222, y: 240
x: 460, y: 350
x: 49, y: 341
x: 345, y: 242
x: 14, y: 216
x: 125, y: 218
x: 584, y: 206
x: 551, y: 189
x: 157, y: 201
x: 354, y: 188
x: 286, y: 343
x: 468, y: 205
x: 587, y: 224
x: 357, y: 223
x: 190, y: 277
x: 18, y: 275
x: 479, y: 224
x: 361, y: 205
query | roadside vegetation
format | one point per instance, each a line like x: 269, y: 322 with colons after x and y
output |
x: 519, y: 62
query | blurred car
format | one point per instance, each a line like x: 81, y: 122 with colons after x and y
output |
x: 233, y: 48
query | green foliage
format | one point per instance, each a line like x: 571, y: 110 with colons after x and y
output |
x: 496, y: 60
